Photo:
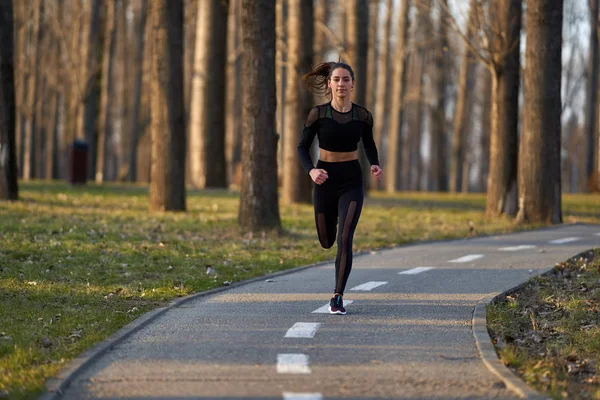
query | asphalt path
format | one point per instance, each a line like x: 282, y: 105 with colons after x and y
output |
x: 407, y: 334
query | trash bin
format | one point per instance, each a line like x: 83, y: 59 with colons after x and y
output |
x: 78, y: 162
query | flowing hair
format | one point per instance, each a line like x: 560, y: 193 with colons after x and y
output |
x: 316, y: 80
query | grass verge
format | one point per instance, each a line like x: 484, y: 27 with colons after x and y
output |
x: 77, y: 264
x: 548, y: 331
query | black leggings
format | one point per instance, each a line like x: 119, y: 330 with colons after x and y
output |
x: 341, y: 195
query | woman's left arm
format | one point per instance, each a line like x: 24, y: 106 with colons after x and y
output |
x: 370, y: 147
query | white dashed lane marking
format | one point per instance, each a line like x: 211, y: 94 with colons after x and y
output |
x: 294, y: 363
x: 517, y: 248
x: 417, y: 270
x: 302, y: 330
x: 468, y: 258
x: 302, y: 396
x: 325, y: 309
x: 565, y: 240
x: 369, y: 285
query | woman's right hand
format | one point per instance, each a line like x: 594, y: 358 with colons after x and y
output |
x: 318, y: 175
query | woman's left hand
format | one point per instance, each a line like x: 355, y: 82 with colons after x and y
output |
x: 376, y: 171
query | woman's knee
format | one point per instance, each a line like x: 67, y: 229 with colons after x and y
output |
x: 326, y: 243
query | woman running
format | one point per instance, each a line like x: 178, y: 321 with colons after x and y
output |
x: 338, y: 195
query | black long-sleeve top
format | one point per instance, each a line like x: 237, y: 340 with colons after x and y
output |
x: 338, y: 132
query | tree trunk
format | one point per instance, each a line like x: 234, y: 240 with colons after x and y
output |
x: 591, y: 115
x: 108, y: 56
x: 28, y: 159
x: 539, y: 152
x: 207, y: 115
x: 9, y: 189
x: 88, y: 110
x: 259, y: 209
x: 460, y: 114
x: 281, y: 60
x: 51, y: 135
x: 392, y: 181
x: 438, y: 162
x: 382, y: 101
x: 319, y: 47
x: 485, y: 90
x: 417, y: 134
x: 372, y: 55
x: 233, y: 93
x: 74, y: 61
x: 296, y: 183
x: 167, y: 176
x: 136, y: 115
x: 502, y: 178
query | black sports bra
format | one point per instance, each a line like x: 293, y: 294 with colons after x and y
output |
x: 338, y: 132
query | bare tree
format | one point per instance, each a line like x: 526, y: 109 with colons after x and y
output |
x: 104, y: 122
x: 493, y: 38
x: 392, y: 182
x: 462, y: 100
x: 207, y: 111
x: 29, y: 105
x: 484, y: 85
x: 384, y: 68
x: 357, y: 25
x: 539, y: 153
x: 437, y: 164
x: 88, y: 112
x: 259, y: 209
x: 372, y: 55
x: 233, y: 136
x: 298, y: 101
x: 135, y: 120
x: 9, y: 189
x: 591, y: 116
x: 167, y: 185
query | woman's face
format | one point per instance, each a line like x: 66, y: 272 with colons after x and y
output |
x: 341, y: 83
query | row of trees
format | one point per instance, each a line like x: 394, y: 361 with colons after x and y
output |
x: 130, y: 67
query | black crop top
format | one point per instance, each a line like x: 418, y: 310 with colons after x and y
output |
x: 337, y: 131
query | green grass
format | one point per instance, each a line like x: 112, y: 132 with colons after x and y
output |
x: 548, y: 331
x: 76, y: 264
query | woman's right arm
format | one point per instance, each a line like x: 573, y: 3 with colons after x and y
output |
x: 308, y: 135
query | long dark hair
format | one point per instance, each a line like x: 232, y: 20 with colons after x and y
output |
x: 317, y: 79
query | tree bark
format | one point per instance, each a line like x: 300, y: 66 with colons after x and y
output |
x: 502, y: 178
x: 438, y: 163
x: 233, y: 93
x: 539, y: 153
x: 88, y: 111
x: 281, y: 61
x: 104, y: 122
x: 28, y: 159
x: 296, y: 183
x: 9, y: 189
x: 485, y: 85
x: 392, y: 181
x: 372, y: 55
x: 167, y: 175
x: 136, y: 115
x: 207, y: 115
x: 51, y: 135
x: 259, y: 209
x: 591, y: 115
x: 321, y: 9
x: 381, y: 106
x: 460, y: 114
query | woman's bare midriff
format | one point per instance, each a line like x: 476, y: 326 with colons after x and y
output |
x: 337, y: 156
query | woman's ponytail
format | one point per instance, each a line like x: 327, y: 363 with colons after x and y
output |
x: 316, y: 80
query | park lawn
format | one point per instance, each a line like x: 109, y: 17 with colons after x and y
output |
x: 548, y: 331
x: 77, y: 264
